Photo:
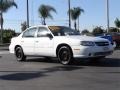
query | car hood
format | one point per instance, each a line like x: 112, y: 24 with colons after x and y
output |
x: 87, y: 38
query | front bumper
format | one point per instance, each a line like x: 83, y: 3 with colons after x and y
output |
x: 91, y: 51
x: 11, y: 49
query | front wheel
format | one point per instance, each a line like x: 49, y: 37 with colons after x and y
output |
x: 19, y: 54
x: 65, y: 55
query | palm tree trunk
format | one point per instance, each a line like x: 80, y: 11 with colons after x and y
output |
x: 44, y: 23
x: 75, y: 25
x: 1, y: 23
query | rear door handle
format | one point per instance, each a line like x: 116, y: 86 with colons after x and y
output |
x: 22, y: 41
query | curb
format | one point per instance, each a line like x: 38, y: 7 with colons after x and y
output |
x: 4, y: 46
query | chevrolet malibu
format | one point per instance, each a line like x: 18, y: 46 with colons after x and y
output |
x: 58, y: 41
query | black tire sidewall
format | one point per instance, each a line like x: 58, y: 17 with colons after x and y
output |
x: 22, y: 58
x: 59, y: 57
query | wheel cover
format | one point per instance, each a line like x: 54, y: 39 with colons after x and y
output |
x: 64, y: 56
x: 18, y: 53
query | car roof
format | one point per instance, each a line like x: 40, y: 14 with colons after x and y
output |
x: 39, y: 26
x: 43, y: 26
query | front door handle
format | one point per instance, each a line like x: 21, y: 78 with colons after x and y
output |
x: 36, y: 41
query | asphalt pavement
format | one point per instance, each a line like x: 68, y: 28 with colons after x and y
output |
x: 4, y: 47
x: 43, y: 74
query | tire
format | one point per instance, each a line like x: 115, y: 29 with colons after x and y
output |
x: 65, y: 55
x: 19, y: 54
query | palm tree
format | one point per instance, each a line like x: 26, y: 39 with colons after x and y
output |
x: 5, y: 5
x: 117, y: 23
x: 75, y: 13
x: 45, y: 12
x: 85, y: 32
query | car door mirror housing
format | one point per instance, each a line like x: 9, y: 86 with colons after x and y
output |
x: 50, y: 36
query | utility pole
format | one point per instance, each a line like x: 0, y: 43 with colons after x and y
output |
x: 32, y: 13
x: 78, y: 22
x: 69, y: 13
x: 1, y: 31
x: 27, y: 14
x: 108, y: 21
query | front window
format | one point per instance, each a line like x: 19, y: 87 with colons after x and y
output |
x: 62, y: 31
x: 42, y: 32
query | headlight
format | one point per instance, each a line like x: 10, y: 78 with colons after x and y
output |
x: 87, y: 43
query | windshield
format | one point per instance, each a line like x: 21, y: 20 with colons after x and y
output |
x: 62, y: 31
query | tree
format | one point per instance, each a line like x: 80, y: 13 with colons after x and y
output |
x: 117, y: 23
x: 75, y: 13
x: 113, y: 29
x: 84, y: 32
x: 24, y: 26
x: 5, y: 5
x: 97, y: 31
x: 45, y: 12
x: 7, y: 35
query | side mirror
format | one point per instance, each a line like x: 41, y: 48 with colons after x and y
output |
x: 50, y: 36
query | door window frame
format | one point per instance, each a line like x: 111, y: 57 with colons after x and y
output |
x: 23, y: 36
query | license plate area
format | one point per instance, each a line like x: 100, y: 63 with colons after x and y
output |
x: 102, y: 53
x: 105, y: 48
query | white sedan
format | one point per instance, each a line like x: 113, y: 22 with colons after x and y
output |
x: 58, y: 41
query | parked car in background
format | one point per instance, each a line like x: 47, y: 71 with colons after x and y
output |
x: 58, y: 41
x: 109, y: 37
x: 116, y: 38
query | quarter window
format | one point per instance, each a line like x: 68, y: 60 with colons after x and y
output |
x: 29, y: 33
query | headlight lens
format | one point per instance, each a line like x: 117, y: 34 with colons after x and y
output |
x: 87, y: 43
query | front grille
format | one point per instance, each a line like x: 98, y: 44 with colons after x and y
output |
x: 102, y: 43
x: 102, y: 53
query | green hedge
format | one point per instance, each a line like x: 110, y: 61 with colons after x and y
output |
x: 7, y: 35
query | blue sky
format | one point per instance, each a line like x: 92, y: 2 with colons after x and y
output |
x: 94, y: 15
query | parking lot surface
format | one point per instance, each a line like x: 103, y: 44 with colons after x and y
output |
x: 43, y: 74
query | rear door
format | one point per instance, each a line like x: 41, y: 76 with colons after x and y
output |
x: 28, y: 41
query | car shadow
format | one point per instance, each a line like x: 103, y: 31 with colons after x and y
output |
x: 106, y: 62
x: 28, y: 75
x: 44, y: 72
x: 43, y: 60
x: 20, y: 75
x: 117, y: 48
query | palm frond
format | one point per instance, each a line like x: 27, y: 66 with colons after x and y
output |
x: 50, y: 8
x: 5, y: 5
x: 45, y: 11
x: 117, y: 23
x: 75, y: 12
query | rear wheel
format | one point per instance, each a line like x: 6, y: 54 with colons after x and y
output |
x: 65, y: 55
x: 19, y: 54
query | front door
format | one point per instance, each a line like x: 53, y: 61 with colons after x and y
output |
x: 43, y: 44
